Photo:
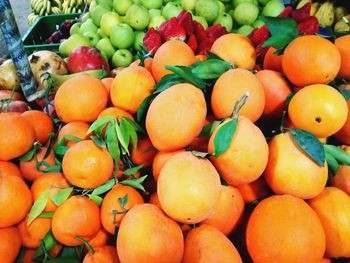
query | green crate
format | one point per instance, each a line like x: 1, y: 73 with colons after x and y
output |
x: 41, y: 30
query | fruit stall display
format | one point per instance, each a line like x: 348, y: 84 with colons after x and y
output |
x: 182, y: 140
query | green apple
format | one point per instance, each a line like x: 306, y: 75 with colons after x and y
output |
x: 138, y: 42
x: 97, y: 14
x: 154, y: 12
x: 100, y: 33
x: 156, y: 22
x: 221, y: 7
x: 106, y: 3
x: 263, y: 2
x: 105, y: 45
x: 109, y: 20
x: 188, y: 5
x: 137, y: 2
x: 201, y: 20
x: 85, y: 17
x: 149, y: 4
x: 258, y: 23
x: 122, y: 6
x: 225, y: 20
x: 75, y: 29
x: 74, y: 41
x: 122, y: 58
x: 104, y: 55
x: 246, y: 13
x: 171, y: 9
x: 93, y: 37
x: 209, y: 9
x: 137, y: 17
x: 245, y: 30
x: 122, y: 36
x: 273, y: 8
x: 238, y: 2
x: 88, y: 26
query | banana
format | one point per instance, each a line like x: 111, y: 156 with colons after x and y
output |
x: 37, y: 6
x: 55, y: 10
x: 325, y: 14
x: 339, y: 12
x: 342, y: 25
x: 48, y: 7
x: 302, y: 3
x: 314, y: 8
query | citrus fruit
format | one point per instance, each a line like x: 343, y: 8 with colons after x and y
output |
x: 144, y: 152
x: 75, y: 128
x: 343, y: 134
x: 255, y: 190
x: 159, y: 160
x: 11, y: 243
x: 115, y: 112
x: 343, y: 45
x: 273, y: 61
x: 102, y: 238
x: 41, y: 123
x: 342, y: 179
x: 32, y: 234
x: 105, y: 254
x: 8, y: 168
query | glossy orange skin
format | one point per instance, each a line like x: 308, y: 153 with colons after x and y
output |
x: 108, y: 83
x: 342, y: 179
x: 343, y: 134
x: 10, y: 241
x: 255, y: 190
x: 102, y: 238
x: 115, y: 112
x: 33, y: 233
x: 144, y: 152
x: 159, y: 160
x: 105, y: 254
x: 272, y: 61
x: 343, y: 45
x: 42, y: 124
x: 154, y: 200
x: 8, y: 168
x: 75, y: 128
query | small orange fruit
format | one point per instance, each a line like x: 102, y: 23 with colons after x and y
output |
x: 42, y: 124
x: 115, y: 112
x: 319, y: 109
x: 343, y: 134
x: 343, y: 45
x: 159, y: 160
x: 272, y: 61
x: 75, y: 128
x: 255, y: 190
x: 102, y: 238
x: 188, y: 188
x: 342, y: 179
x: 105, y: 254
x: 154, y: 200
x: 108, y: 83
x: 144, y: 152
x: 147, y: 63
x: 11, y: 243
x: 8, y: 168
x: 33, y: 233
x: 242, y: 55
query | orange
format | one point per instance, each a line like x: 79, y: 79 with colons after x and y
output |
x: 241, y: 56
x: 333, y: 208
x: 159, y: 160
x: 283, y: 228
x: 102, y: 238
x: 255, y: 190
x: 207, y: 244
x: 272, y: 61
x: 305, y: 180
x: 147, y: 63
x: 17, y: 136
x: 201, y: 58
x: 343, y: 45
x: 108, y: 83
x: 112, y: 211
x: 146, y: 235
x: 171, y: 53
x: 10, y: 241
x: 246, y: 157
x: 276, y: 91
x: 80, y: 99
x: 230, y: 87
x: 28, y: 255
x: 115, y: 112
x: 144, y: 152
x: 8, y: 168
x: 33, y: 233
x: 343, y: 134
x: 342, y: 179
x: 311, y: 59
x: 188, y: 188
x: 53, y: 182
x: 130, y: 87
x: 15, y: 199
x: 319, y: 109
x: 175, y: 117
x: 77, y: 216
x: 154, y: 200
x: 29, y: 169
x: 86, y: 165
x: 326, y: 260
x: 42, y: 124
x: 228, y: 211
x: 76, y: 128
x: 106, y: 254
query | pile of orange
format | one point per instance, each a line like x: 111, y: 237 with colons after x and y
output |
x: 262, y: 200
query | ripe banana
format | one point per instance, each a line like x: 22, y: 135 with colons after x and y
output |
x: 325, y: 14
x: 314, y: 8
x: 32, y: 18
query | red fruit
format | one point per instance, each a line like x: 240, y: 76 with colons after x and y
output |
x: 286, y: 12
x: 199, y: 31
x: 301, y: 14
x: 259, y: 35
x: 86, y: 58
x: 186, y: 21
x: 192, y: 43
x: 216, y: 31
x: 152, y: 40
x: 260, y: 52
x: 172, y: 30
x: 205, y: 45
x: 310, y: 26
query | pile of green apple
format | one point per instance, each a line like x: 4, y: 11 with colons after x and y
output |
x: 117, y: 27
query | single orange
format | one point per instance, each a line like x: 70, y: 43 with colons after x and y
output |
x: 273, y: 61
x: 32, y: 234
x: 11, y: 243
x: 108, y: 83
x: 144, y: 152
x: 343, y: 135
x: 105, y: 254
x: 255, y: 190
x: 116, y: 113
x: 8, y: 168
x: 102, y: 238
x: 159, y: 160
x: 75, y: 128
x: 42, y: 124
x: 342, y: 179
x: 343, y: 45
x: 154, y: 200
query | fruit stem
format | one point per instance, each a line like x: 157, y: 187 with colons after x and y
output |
x: 88, y: 246
x: 239, y: 104
x: 340, y: 155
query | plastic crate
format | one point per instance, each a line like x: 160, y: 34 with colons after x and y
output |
x: 41, y: 30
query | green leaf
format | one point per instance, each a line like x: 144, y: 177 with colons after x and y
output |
x: 211, y: 55
x: 46, y: 215
x: 288, y: 99
x: 200, y: 154
x: 47, y: 243
x: 166, y: 82
x: 283, y: 30
x: 125, y: 131
x: 121, y: 139
x: 60, y: 149
x: 53, y: 169
x: 345, y: 93
x: 209, y: 128
x: 104, y: 188
x: 134, y: 124
x: 310, y: 145
x: 123, y: 201
x: 99, y: 124
x: 61, y: 196
x: 141, y: 112
x: 339, y: 154
x: 186, y: 74
x: 133, y: 170
x: 210, y: 69
x: 98, y: 140
x: 135, y: 183
x: 97, y: 199
x: 224, y: 136
x: 28, y: 155
x: 333, y: 165
x: 112, y: 143
x: 72, y: 138
x: 38, y: 206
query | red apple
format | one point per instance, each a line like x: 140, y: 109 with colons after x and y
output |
x: 86, y: 58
